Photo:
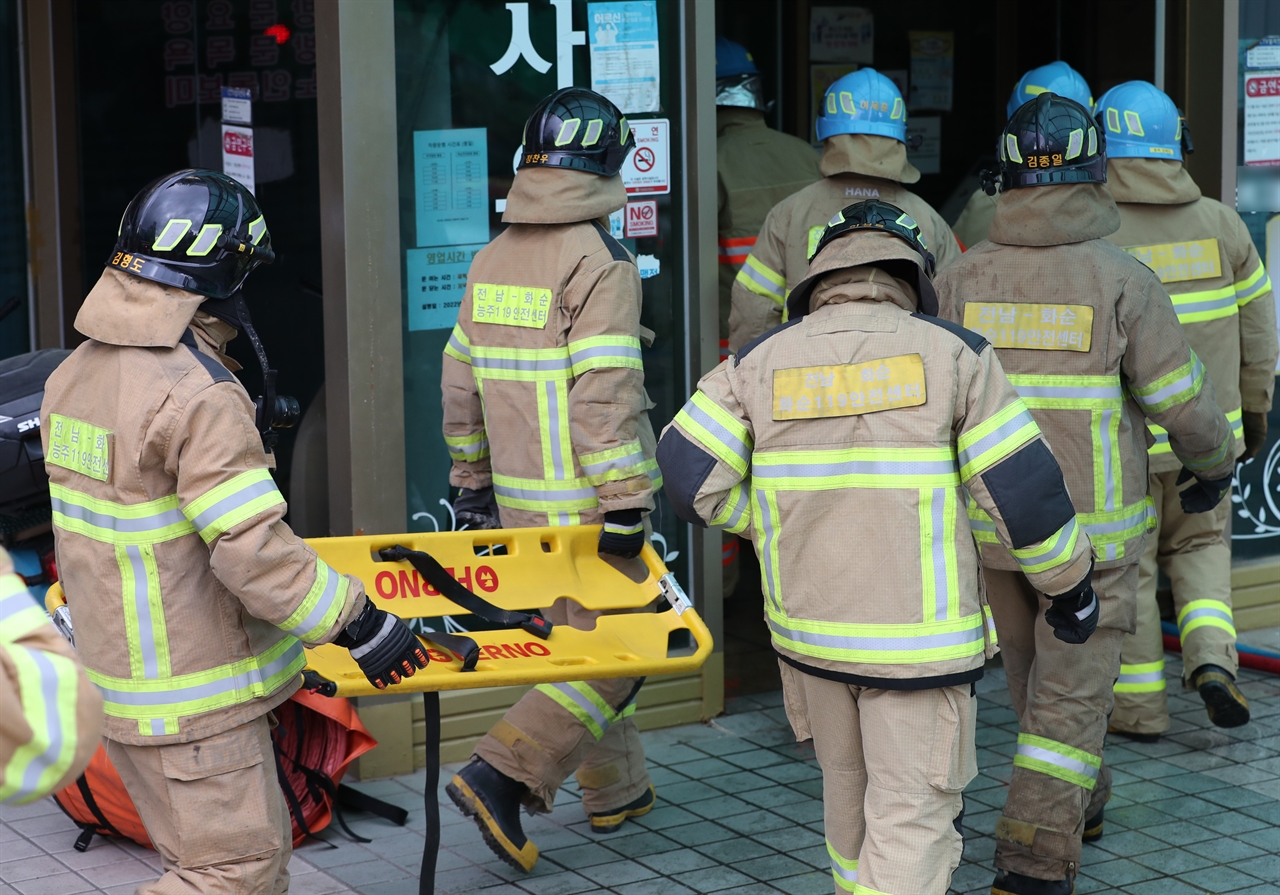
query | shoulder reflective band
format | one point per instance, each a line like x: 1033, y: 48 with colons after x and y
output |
x: 1205, y: 613
x: 844, y: 870
x: 321, y: 607
x: 996, y: 437
x: 756, y: 277
x: 521, y: 364
x: 19, y: 613
x: 736, y: 514
x: 1252, y: 286
x: 468, y: 448
x: 459, y: 346
x: 119, y: 524
x: 616, y: 464
x: 907, y: 644
x: 1176, y: 262
x: 735, y: 251
x: 235, y: 501
x: 855, y: 468
x: 1173, y: 388
x: 1050, y: 553
x: 1145, y: 678
x: 1161, y: 435
x: 714, y: 428
x: 79, y: 446
x: 586, y: 705
x: 202, y: 691
x: 1057, y: 760
x: 603, y: 352
x: 49, y: 687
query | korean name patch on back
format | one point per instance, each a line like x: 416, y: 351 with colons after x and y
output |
x: 848, y: 389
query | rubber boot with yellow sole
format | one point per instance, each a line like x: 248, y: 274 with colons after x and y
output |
x: 608, y: 821
x: 493, y: 800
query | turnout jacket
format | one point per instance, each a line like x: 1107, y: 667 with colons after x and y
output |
x: 1204, y: 257
x: 1090, y: 339
x: 854, y: 167
x: 50, y: 714
x: 190, y: 595
x: 843, y: 443
x: 543, y: 383
x: 756, y: 167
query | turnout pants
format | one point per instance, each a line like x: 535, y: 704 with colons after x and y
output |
x: 1194, y: 550
x: 1062, y: 695
x: 214, y: 811
x: 894, y: 763
x: 583, y: 726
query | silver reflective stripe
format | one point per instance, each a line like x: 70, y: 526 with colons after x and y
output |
x: 1210, y: 305
x: 761, y: 280
x: 246, y: 680
x: 878, y: 644
x: 1102, y: 393
x: 725, y: 437
x: 849, y: 876
x: 1119, y: 525
x: 617, y: 463
x: 766, y: 553
x: 1206, y: 612
x: 204, y: 243
x: 1108, y: 474
x: 15, y: 603
x: 458, y: 346
x: 587, y: 706
x: 126, y: 526
x: 462, y: 452
x: 52, y: 722
x: 991, y: 439
x: 546, y: 495
x: 735, y: 515
x: 561, y: 519
x: 1173, y: 388
x: 234, y: 502
x: 1063, y: 547
x: 939, y: 553
x: 157, y: 727
x: 583, y: 354
x: 1263, y: 284
x: 1054, y: 758
x: 763, y: 468
x: 142, y: 608
x: 324, y: 604
x: 547, y: 365
x: 553, y: 429
x: 1147, y: 677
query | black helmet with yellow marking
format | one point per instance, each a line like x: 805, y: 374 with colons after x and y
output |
x: 197, y: 230
x: 1050, y: 140
x: 578, y: 129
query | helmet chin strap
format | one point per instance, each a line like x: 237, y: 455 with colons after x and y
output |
x: 235, y: 311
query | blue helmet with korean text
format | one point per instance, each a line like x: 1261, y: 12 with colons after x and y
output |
x: 1056, y: 77
x: 733, y: 59
x: 863, y: 102
x: 1141, y: 121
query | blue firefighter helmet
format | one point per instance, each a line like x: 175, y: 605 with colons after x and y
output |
x: 733, y: 59
x: 863, y: 102
x: 1056, y: 77
x: 1141, y: 122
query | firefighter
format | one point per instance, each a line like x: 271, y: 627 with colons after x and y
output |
x: 866, y: 407
x: 1056, y: 77
x: 863, y: 128
x: 757, y: 168
x: 545, y: 414
x: 1204, y: 256
x: 192, y: 598
x: 1089, y: 338
x: 50, y: 714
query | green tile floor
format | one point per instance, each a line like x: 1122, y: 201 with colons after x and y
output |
x: 740, y: 813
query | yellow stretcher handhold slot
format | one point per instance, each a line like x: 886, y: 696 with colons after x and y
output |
x: 519, y: 569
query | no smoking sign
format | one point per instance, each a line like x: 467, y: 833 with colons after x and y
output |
x: 642, y: 218
x: 647, y: 170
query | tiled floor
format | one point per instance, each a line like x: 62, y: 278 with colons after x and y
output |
x: 741, y: 814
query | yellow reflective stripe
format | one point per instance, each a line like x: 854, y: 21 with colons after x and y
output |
x: 19, y: 613
x: 321, y: 606
x: 843, y: 870
x: 1068, y: 392
x: 586, y: 705
x: 735, y: 516
x: 146, y: 632
x: 48, y: 685
x: 758, y: 278
x: 1205, y: 613
x: 876, y: 644
x: 1059, y: 760
x: 1108, y: 473
x: 617, y: 464
x: 1053, y: 551
x: 115, y: 523
x: 203, y: 691
x: 995, y: 438
x: 1253, y: 285
x: 1207, y: 304
x: 716, y: 430
x: 459, y: 346
x: 236, y: 500
x: 855, y: 468
x: 941, y: 586
x: 468, y: 448
x: 1147, y: 677
x: 605, y: 352
x: 1171, y: 389
x: 1161, y: 435
x: 992, y: 634
x: 521, y: 364
x: 543, y: 495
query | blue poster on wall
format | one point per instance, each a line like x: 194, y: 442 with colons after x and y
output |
x: 435, y: 281
x: 451, y: 186
x: 624, y: 53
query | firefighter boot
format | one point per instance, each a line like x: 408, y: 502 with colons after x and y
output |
x: 1009, y: 883
x: 493, y: 799
x: 1226, y: 704
x: 1093, y: 827
x: 608, y: 821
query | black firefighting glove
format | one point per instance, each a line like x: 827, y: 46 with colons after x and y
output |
x: 383, y: 646
x: 622, y: 533
x: 477, y: 510
x: 1204, y: 494
x: 1255, y: 433
x: 1074, y: 615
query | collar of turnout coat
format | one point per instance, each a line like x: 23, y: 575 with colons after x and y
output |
x: 1054, y: 215
x: 868, y: 155
x: 122, y: 309
x: 1150, y: 181
x: 562, y: 196
x: 842, y: 272
x: 728, y: 117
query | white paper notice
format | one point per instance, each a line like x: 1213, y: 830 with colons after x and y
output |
x: 841, y: 34
x: 624, y: 53
x: 237, y: 154
x: 932, y: 69
x: 1262, y: 118
x: 1264, y: 54
x: 647, y: 170
x: 237, y: 105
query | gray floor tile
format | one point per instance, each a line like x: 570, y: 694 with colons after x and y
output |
x: 578, y: 856
x: 1265, y: 867
x: 1224, y: 850
x: 656, y: 886
x: 680, y: 860
x: 699, y: 833
x: 1173, y: 861
x: 1120, y: 872
x: 720, y: 807
x: 811, y: 883
x: 563, y: 883
x: 1178, y: 833
x: 789, y: 839
x: 618, y: 873
x: 771, y: 867
x: 1219, y: 879
x: 732, y: 851
x: 1162, y: 887
x: 712, y: 879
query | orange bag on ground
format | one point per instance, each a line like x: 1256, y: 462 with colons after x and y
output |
x: 317, y: 739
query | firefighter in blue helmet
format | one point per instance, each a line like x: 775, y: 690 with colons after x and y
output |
x: 1056, y: 77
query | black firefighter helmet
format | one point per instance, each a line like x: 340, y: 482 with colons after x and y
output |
x: 194, y: 229
x: 1050, y: 140
x: 579, y: 129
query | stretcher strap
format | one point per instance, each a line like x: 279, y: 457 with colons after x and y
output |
x: 435, y: 575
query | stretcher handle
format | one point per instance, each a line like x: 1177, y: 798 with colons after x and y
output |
x: 435, y: 575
